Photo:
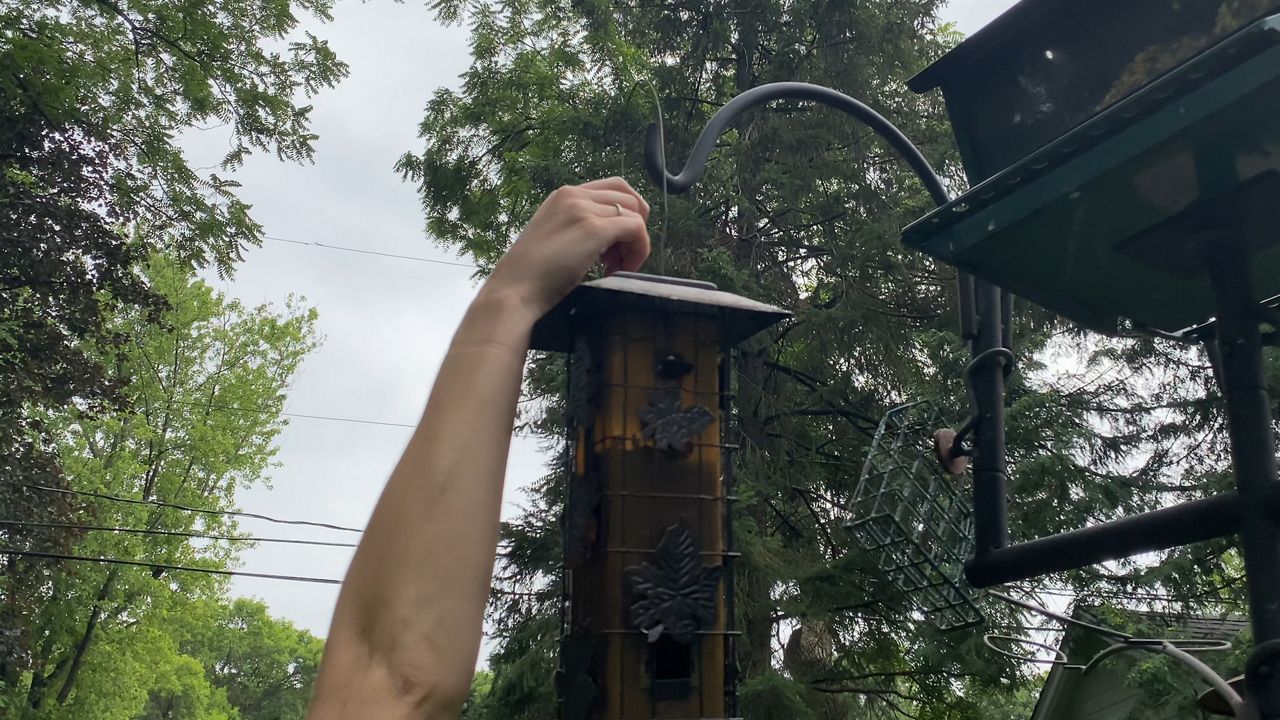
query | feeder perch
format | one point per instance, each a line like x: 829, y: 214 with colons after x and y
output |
x: 913, y: 517
x: 1113, y: 147
x: 648, y: 544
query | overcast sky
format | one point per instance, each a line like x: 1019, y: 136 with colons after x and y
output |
x: 385, y: 321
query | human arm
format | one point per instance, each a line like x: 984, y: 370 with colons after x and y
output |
x: 407, y: 627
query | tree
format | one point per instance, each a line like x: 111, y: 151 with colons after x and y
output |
x: 265, y: 667
x: 93, y: 96
x: 133, y: 74
x: 802, y: 208
x: 477, y: 700
x: 63, y: 264
x: 206, y: 386
x: 199, y: 659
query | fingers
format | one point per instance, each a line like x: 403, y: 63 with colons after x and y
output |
x: 617, y: 184
x: 610, y: 200
x: 628, y: 242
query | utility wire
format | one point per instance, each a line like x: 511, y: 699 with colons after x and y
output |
x: 268, y: 411
x: 372, y: 252
x: 175, y: 506
x: 328, y: 418
x: 174, y: 533
x: 163, y: 566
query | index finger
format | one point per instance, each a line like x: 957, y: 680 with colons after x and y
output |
x: 620, y: 185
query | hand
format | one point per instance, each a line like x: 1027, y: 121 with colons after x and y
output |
x: 576, y: 227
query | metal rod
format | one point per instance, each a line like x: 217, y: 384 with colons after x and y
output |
x: 1190, y: 522
x: 1253, y: 452
x: 990, y: 472
x: 727, y: 430
x: 1099, y: 629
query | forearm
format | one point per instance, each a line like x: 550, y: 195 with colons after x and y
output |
x: 407, y: 628
x: 415, y: 593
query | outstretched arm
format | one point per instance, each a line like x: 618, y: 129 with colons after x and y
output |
x: 407, y: 627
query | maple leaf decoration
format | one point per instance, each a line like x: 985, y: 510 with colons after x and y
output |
x: 670, y: 426
x: 677, y: 593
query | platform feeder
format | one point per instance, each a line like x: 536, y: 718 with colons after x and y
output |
x: 648, y: 545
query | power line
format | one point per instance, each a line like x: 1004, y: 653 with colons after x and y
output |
x: 175, y: 506
x: 164, y: 566
x: 269, y: 411
x: 327, y: 418
x: 175, y: 533
x: 397, y: 256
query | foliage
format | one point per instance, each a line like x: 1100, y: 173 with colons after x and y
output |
x: 94, y: 95
x: 133, y: 74
x: 266, y: 668
x: 63, y: 264
x: 205, y: 387
x: 478, y: 697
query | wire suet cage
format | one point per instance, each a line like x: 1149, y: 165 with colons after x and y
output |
x: 913, y: 518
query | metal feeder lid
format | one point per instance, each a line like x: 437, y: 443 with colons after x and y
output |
x: 739, y: 317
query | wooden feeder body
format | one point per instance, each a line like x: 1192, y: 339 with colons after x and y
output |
x: 1111, y: 145
x: 648, y: 554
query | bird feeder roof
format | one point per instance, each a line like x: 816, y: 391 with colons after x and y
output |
x: 738, y: 317
x: 959, y: 57
x: 1107, y: 224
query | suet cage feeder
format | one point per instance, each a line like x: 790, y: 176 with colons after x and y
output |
x: 647, y: 606
x: 914, y: 519
x: 1114, y: 150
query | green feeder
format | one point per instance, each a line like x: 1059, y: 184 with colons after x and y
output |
x: 1115, y: 148
x: 914, y: 518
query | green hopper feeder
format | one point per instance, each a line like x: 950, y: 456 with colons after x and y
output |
x: 1114, y: 149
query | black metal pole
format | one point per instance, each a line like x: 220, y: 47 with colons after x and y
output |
x: 1253, y: 456
x: 990, y: 471
x: 1183, y: 524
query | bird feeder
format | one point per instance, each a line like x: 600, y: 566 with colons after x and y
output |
x: 1114, y: 149
x: 648, y: 546
x: 912, y: 517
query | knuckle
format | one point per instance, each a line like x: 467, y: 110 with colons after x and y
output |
x: 563, y: 193
x: 580, y: 209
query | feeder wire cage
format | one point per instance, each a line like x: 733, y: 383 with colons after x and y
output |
x: 914, y: 519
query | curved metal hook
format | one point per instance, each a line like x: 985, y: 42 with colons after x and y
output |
x: 1060, y: 658
x: 697, y: 163
x: 1177, y: 649
x: 1183, y: 655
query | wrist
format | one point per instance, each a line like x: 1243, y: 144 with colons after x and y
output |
x: 497, y: 318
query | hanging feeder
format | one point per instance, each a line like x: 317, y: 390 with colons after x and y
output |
x: 914, y: 519
x: 648, y: 542
x: 1114, y: 148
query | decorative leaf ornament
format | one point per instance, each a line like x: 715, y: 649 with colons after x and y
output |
x: 676, y: 594
x: 670, y: 426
